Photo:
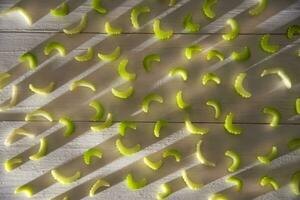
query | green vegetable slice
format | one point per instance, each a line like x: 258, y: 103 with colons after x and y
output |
x: 13, y: 100
x: 236, y: 160
x: 108, y: 122
x: 42, y: 150
x: 82, y: 83
x: 266, y: 159
x: 11, y: 164
x: 294, y: 144
x: 295, y: 183
x: 85, y: 57
x: 201, y: 157
x: 99, y: 110
x: 236, y: 181
x: 96, y: 5
x: 242, y: 55
x: 258, y: 8
x: 69, y: 124
x: 179, y: 71
x: 123, y: 73
x: 279, y: 72
x: 266, y: 46
x: 216, y: 106
x: 229, y: 126
x: 30, y: 58
x: 18, y: 131
x: 51, y: 46
x: 124, y: 125
x: 149, y: 59
x: 90, y: 153
x: 148, y: 99
x: 21, y: 11
x: 292, y: 31
x: 192, y: 185
x: 4, y: 77
x: 297, y: 106
x: 110, y: 57
x: 153, y: 165
x: 180, y: 102
x: 127, y: 151
x: 238, y: 86
x: 235, y: 29
x: 207, y: 8
x: 65, y: 180
x: 166, y: 191
x: 210, y: 77
x: 27, y: 190
x: 189, y: 25
x: 275, y: 115
x: 218, y: 196
x: 42, y: 91
x: 123, y: 94
x: 190, y: 50
x: 157, y: 127
x: 79, y: 28
x: 159, y: 33
x: 190, y: 127
x: 214, y: 54
x: 135, y: 13
x: 267, y: 180
x: 135, y: 185
x: 39, y: 113
x: 172, y: 152
x: 61, y: 10
x: 112, y: 30
x: 98, y: 184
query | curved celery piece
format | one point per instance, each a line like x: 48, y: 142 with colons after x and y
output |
x: 235, y: 29
x: 65, y: 180
x: 18, y: 131
x: 295, y: 183
x: 207, y: 8
x: 149, y: 59
x: 135, y: 13
x: 266, y: 46
x: 108, y: 122
x: 294, y: 144
x: 236, y: 181
x: 123, y: 73
x: 79, y: 28
x: 293, y: 30
x: 13, y: 100
x: 157, y: 127
x: 39, y: 113
x: 159, y: 33
x: 92, y: 152
x: 68, y: 123
x: 42, y: 150
x: 192, y: 185
x: 135, y: 185
x: 98, y: 184
x: 42, y: 91
x: 10, y: 164
x: 153, y: 165
x: 110, y: 57
x: 61, y: 10
x: 124, y: 125
x: 236, y: 161
x: 242, y: 55
x: 229, y: 127
x: 85, y: 57
x: 112, y: 30
x: 66, y: 198
x: 210, y: 77
x: 127, y: 151
x: 99, y: 110
x: 238, y: 86
x: 148, y: 99
x: 123, y: 94
x: 214, y: 53
x: 96, y: 5
x: 218, y: 196
x: 216, y: 106
x: 190, y: 50
x: 274, y: 114
x: 297, y: 106
x: 190, y: 127
x: 266, y: 159
x: 30, y: 58
x: 172, y: 2
x: 179, y: 71
x: 82, y: 83
x: 3, y: 79
x: 20, y: 11
x: 51, y: 46
x: 258, y: 8
x: 174, y: 153
x: 166, y: 191
x: 27, y: 190
x: 277, y: 71
x: 267, y: 180
x: 189, y: 25
x: 201, y: 157
x: 180, y: 102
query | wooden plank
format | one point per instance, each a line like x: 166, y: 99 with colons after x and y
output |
x: 172, y: 17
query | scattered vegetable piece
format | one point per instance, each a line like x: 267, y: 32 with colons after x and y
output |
x: 292, y: 31
x: 85, y: 57
x: 192, y: 185
x: 135, y: 185
x: 235, y: 29
x: 166, y: 191
x: 135, y: 13
x: 30, y: 58
x: 61, y: 10
x: 123, y: 73
x: 295, y: 182
x: 210, y: 77
x: 172, y: 152
x: 207, y: 8
x: 180, y: 102
x: 279, y: 72
x: 127, y: 151
x: 267, y: 180
x: 108, y: 122
x: 259, y: 8
x: 124, y: 125
x: 42, y: 150
x: 82, y: 83
x: 190, y: 127
x: 266, y: 46
x: 159, y: 33
x: 179, y: 71
x: 236, y: 161
x: 10, y: 164
x: 275, y: 115
x: 238, y: 86
x: 4, y: 77
x: 27, y: 190
x: 110, y: 57
x: 297, y: 106
x: 18, y: 131
x: 157, y: 127
x: 189, y: 25
x: 13, y: 99
x: 98, y: 184
x: 92, y: 152
x: 123, y: 94
x: 229, y: 127
x: 153, y: 165
x: 96, y: 5
x: 149, y: 59
x: 236, y: 181
x: 79, y: 28
x: 69, y: 124
x: 112, y: 30
x: 266, y: 159
x: 99, y: 110
x: 218, y: 196
x: 243, y: 55
x: 190, y: 50
x: 294, y: 144
x: 216, y: 106
x: 20, y: 11
x: 214, y: 53
x: 42, y: 91
x: 51, y: 46
x: 148, y: 99
x: 39, y: 113
x: 201, y: 157
x: 65, y: 180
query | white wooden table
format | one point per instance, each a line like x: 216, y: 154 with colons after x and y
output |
x: 65, y: 154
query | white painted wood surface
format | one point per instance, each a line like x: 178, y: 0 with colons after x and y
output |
x: 66, y: 154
